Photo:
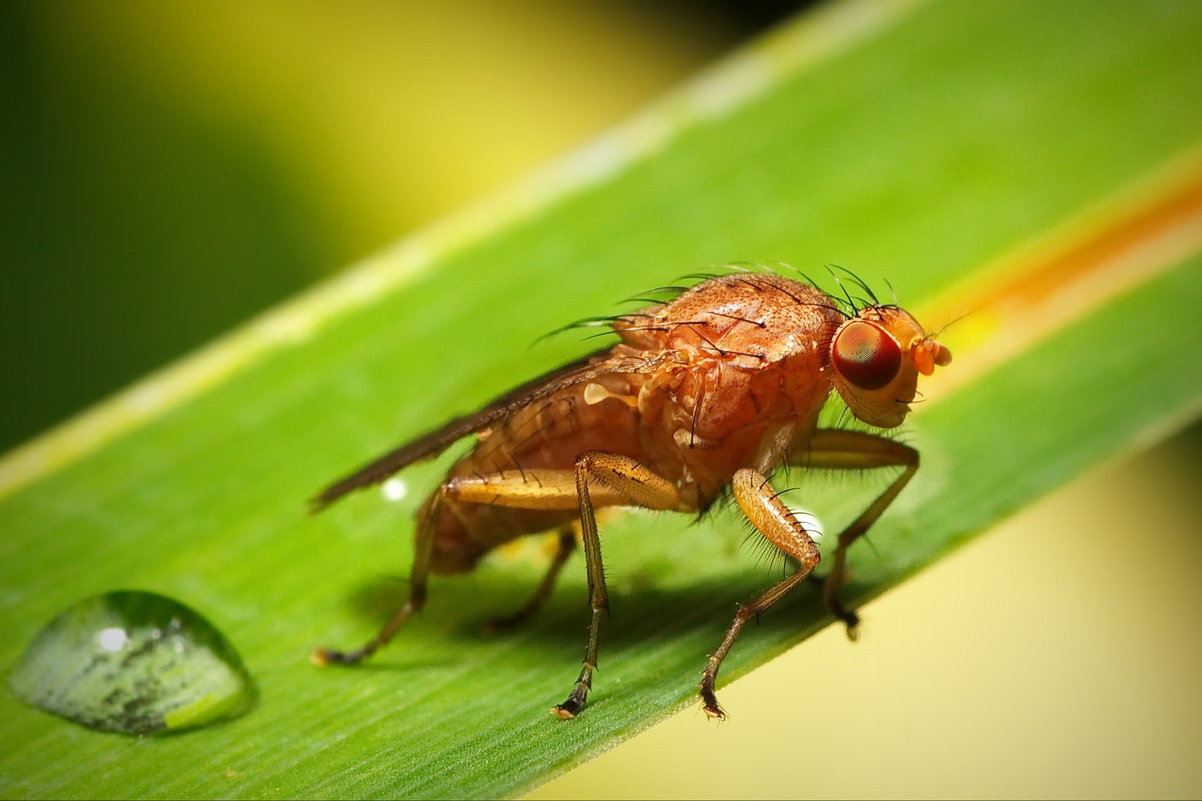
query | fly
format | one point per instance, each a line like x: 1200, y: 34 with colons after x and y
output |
x: 715, y: 389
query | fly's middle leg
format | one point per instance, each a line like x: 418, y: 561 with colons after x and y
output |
x: 855, y: 450
x: 600, y: 478
x: 772, y: 519
x: 637, y: 484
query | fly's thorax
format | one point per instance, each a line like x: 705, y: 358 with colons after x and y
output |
x: 712, y: 415
x: 876, y: 357
x: 746, y: 349
x: 746, y: 319
x: 742, y: 359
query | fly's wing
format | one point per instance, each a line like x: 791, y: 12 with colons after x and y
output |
x: 438, y: 440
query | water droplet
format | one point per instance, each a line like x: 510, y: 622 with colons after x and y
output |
x: 133, y: 662
x: 394, y: 489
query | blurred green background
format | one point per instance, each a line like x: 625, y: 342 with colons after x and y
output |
x: 171, y: 169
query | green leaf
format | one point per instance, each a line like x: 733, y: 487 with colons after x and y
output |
x: 982, y: 157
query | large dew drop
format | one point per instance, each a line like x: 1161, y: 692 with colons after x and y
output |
x: 133, y: 662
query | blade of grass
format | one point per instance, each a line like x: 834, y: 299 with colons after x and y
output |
x: 202, y: 498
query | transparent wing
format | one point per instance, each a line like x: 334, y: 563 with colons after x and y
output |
x: 434, y: 442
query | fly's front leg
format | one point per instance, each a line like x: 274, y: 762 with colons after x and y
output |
x: 779, y: 526
x: 854, y: 450
x: 600, y: 478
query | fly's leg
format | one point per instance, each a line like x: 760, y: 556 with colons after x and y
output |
x: 417, y: 599
x: 600, y: 478
x: 779, y: 526
x: 854, y: 450
x: 632, y: 480
x: 564, y: 547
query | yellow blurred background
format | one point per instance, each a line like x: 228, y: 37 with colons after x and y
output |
x: 209, y: 159
x: 1054, y: 657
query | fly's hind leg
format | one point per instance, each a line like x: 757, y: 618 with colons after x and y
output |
x: 564, y: 546
x: 854, y: 450
x: 781, y: 527
x: 417, y: 598
x: 600, y: 478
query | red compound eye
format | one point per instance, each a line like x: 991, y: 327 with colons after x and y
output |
x: 865, y: 355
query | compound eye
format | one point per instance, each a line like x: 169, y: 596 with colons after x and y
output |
x: 866, y: 355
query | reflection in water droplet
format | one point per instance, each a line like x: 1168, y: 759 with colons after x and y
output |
x: 113, y: 639
x: 133, y: 662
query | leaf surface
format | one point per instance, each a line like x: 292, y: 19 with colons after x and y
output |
x: 961, y: 151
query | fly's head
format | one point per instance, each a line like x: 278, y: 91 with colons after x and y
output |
x: 877, y: 356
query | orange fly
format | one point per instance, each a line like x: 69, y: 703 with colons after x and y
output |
x: 717, y: 388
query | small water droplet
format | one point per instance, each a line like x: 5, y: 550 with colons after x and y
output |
x: 133, y: 662
x: 394, y: 489
x: 810, y: 522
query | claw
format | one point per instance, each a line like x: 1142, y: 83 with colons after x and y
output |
x: 567, y: 710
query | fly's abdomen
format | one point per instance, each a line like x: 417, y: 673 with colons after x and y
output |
x: 548, y: 435
x: 464, y: 532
